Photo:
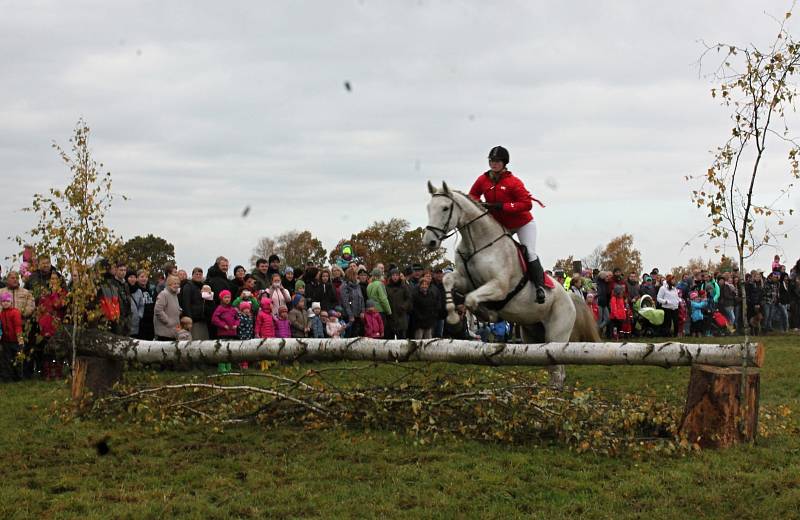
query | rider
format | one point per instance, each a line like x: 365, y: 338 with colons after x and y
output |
x: 509, y: 202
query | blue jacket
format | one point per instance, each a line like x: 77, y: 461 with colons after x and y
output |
x: 697, y: 309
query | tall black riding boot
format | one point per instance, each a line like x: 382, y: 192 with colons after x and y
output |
x: 536, y: 275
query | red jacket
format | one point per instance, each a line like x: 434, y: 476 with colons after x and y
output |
x: 265, y: 324
x: 511, y: 192
x: 618, y: 311
x: 11, y: 321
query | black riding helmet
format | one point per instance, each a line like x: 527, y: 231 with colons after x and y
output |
x: 498, y: 153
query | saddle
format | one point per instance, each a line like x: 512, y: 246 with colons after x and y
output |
x: 522, y: 255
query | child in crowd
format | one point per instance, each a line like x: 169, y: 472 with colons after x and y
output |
x: 316, y: 322
x: 278, y: 295
x: 245, y: 330
x: 247, y: 296
x: 618, y: 311
x: 776, y: 263
x: 299, y: 319
x: 265, y: 321
x: 185, y: 330
x: 206, y: 293
x: 592, y: 303
x: 373, y: 321
x: 334, y: 327
x: 12, y: 339
x: 699, y: 304
x: 226, y: 320
x: 283, y: 329
x: 246, y: 326
x: 682, y: 315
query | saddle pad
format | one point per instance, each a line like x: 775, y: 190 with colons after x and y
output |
x: 521, y: 256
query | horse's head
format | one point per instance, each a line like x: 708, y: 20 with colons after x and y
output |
x: 443, y: 216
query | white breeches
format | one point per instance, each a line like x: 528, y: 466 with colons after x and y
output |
x: 527, y: 237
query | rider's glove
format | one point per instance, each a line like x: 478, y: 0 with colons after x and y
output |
x: 493, y: 206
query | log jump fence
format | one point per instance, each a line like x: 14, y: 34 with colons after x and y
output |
x: 721, y: 403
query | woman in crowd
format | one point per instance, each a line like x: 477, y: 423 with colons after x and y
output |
x: 353, y: 303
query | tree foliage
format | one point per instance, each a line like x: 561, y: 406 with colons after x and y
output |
x: 71, y: 225
x: 723, y: 265
x: 391, y: 242
x: 620, y: 253
x: 564, y: 264
x: 147, y: 252
x: 294, y: 248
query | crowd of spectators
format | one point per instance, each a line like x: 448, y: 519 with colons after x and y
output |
x: 392, y: 303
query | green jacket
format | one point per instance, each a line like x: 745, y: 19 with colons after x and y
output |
x: 376, y: 291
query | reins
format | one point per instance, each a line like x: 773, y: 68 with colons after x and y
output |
x: 443, y: 234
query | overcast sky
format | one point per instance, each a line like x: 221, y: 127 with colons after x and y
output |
x: 200, y: 109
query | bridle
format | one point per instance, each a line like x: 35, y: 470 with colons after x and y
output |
x: 442, y: 234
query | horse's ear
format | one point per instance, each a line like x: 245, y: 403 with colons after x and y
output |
x: 445, y: 189
x: 431, y: 189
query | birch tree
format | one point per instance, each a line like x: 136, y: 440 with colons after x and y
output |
x: 757, y: 85
x: 71, y: 227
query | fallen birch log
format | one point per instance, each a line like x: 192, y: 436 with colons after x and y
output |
x: 713, y: 416
x: 435, y: 350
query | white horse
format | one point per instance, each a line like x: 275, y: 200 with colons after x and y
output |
x: 489, y: 273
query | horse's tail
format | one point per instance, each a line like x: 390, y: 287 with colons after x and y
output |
x: 585, y: 328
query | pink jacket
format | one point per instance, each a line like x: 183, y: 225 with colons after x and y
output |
x: 280, y: 297
x: 374, y: 324
x: 265, y: 325
x: 225, y: 315
x: 283, y: 329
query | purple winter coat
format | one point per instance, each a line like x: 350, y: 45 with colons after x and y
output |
x: 225, y: 315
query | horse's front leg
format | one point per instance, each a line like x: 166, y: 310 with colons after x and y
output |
x: 454, y: 280
x: 490, y: 291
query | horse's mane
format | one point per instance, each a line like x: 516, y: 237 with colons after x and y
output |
x: 474, y: 202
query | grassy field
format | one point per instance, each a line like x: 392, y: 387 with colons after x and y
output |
x: 52, y: 469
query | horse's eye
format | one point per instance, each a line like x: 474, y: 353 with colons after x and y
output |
x: 445, y: 209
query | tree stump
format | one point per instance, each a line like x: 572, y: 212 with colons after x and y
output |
x: 714, y: 416
x: 94, y: 375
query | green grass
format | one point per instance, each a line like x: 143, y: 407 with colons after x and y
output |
x: 51, y: 469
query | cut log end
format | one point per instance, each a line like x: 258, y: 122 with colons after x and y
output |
x: 758, y: 359
x: 717, y: 413
x: 93, y: 376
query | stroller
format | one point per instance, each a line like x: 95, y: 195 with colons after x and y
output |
x: 648, y: 319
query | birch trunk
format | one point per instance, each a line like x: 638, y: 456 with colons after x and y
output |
x: 437, y: 350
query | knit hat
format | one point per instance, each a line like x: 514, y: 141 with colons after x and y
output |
x: 266, y: 303
x: 693, y: 295
x: 245, y: 306
x: 205, y: 288
x: 289, y: 269
x: 362, y: 271
x: 299, y: 284
x: 315, y: 305
x: 283, y: 308
x: 274, y: 258
x: 5, y: 297
x: 394, y: 270
x: 377, y: 272
x: 371, y: 303
x: 223, y: 293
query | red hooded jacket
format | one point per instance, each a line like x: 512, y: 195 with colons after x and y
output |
x: 511, y: 192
